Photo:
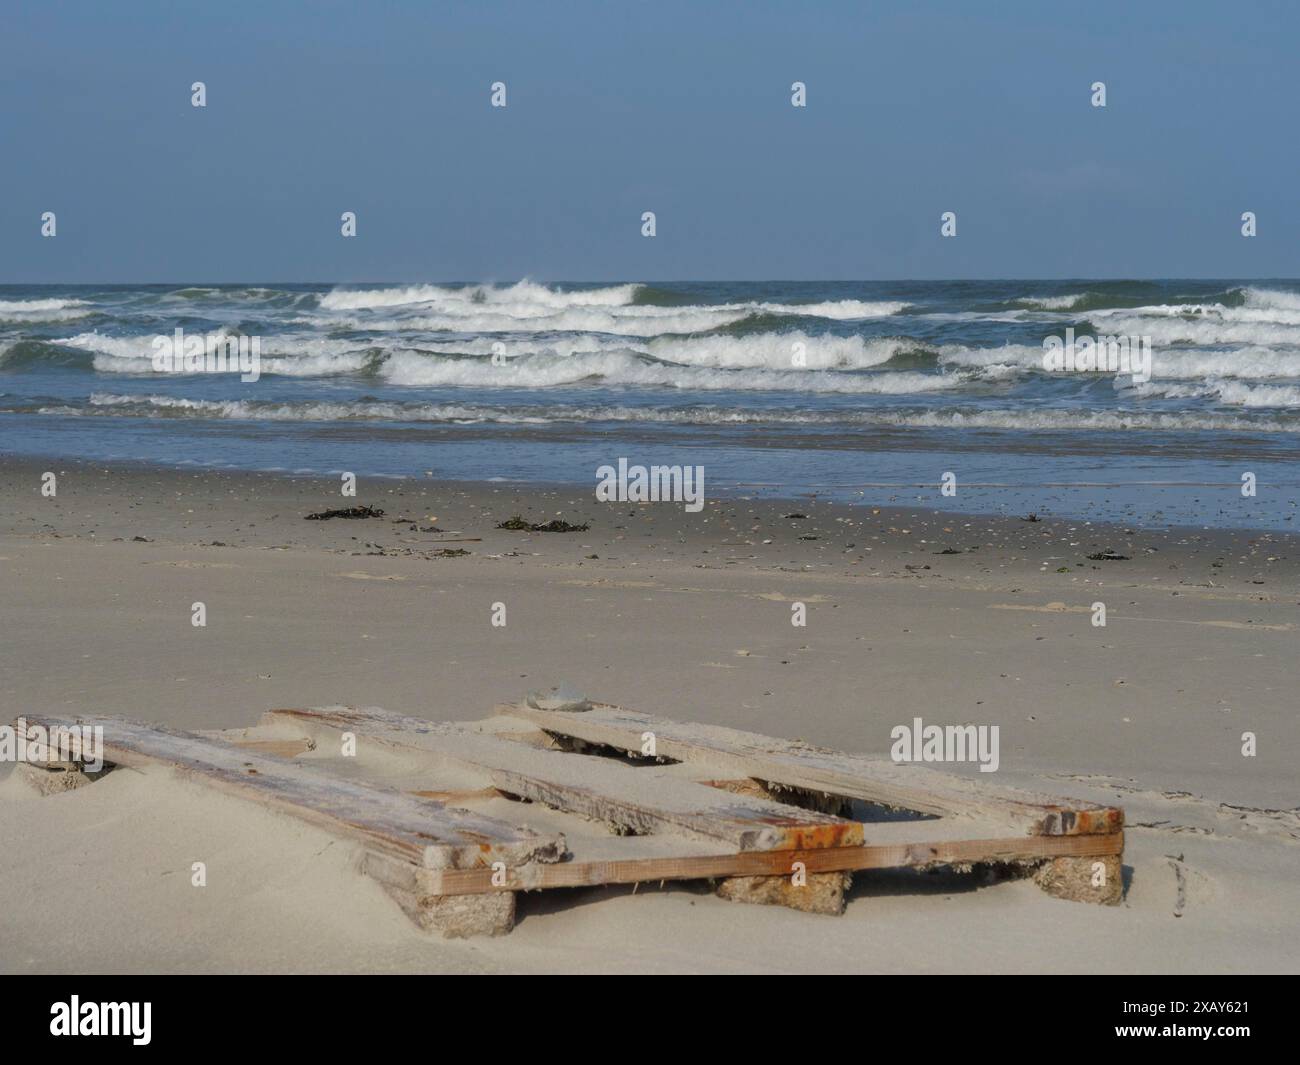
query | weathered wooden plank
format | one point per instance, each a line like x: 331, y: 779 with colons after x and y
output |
x: 799, y: 765
x: 459, y: 798
x: 637, y: 800
x: 420, y: 831
x: 278, y: 748
x: 635, y: 869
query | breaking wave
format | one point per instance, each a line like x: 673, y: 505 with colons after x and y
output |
x: 627, y: 368
x: 153, y: 406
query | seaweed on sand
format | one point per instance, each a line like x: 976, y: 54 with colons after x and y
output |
x: 518, y: 524
x: 346, y: 512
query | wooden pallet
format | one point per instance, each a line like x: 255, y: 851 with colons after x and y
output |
x: 454, y: 819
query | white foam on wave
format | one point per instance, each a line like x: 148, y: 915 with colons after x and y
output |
x: 298, y: 366
x: 1258, y: 305
x: 1047, y: 420
x: 1042, y: 420
x: 323, y: 365
x: 1006, y: 358
x: 142, y: 346
x: 35, y: 306
x: 985, y: 316
x: 1196, y: 313
x: 1274, y: 298
x: 626, y: 368
x: 841, y: 310
x: 118, y: 364
x: 148, y: 405
x: 1237, y: 394
x: 527, y: 306
x: 523, y: 295
x: 1171, y: 328
x: 47, y: 310
x: 760, y: 350
x: 514, y: 346
x: 527, y: 299
x: 1049, y: 303
x: 308, y: 411
x: 126, y: 348
x: 1166, y: 362
x: 305, y: 355
x: 1207, y: 322
x: 1249, y: 362
x: 779, y: 351
x: 1229, y: 393
x: 630, y: 321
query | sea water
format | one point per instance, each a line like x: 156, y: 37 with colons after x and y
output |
x: 861, y: 391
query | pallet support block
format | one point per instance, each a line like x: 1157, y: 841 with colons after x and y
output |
x: 819, y: 893
x: 54, y: 778
x: 418, y: 892
x: 1099, y: 880
x: 458, y: 916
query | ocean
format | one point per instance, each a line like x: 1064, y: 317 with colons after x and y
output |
x: 859, y: 391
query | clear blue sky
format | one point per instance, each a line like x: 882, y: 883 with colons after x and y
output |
x: 615, y: 108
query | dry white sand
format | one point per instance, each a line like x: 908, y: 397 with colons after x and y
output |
x: 683, y: 615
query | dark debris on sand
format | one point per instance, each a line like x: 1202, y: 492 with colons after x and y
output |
x: 518, y: 524
x: 346, y: 512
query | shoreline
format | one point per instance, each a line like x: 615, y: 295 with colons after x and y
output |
x: 33, y: 465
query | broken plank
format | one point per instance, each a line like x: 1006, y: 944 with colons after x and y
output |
x: 423, y: 832
x: 799, y: 765
x: 636, y: 800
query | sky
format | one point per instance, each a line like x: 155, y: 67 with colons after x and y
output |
x: 619, y: 107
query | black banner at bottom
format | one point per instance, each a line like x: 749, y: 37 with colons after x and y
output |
x: 384, y: 1013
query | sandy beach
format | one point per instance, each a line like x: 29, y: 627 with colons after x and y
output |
x: 910, y: 613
